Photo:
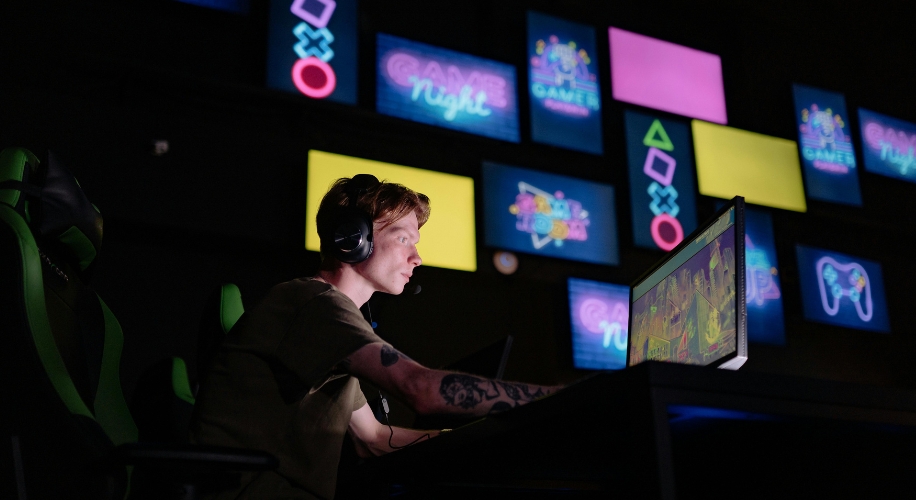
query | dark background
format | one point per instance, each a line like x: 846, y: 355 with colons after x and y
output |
x: 99, y: 81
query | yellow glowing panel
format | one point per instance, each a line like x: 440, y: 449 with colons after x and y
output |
x: 446, y: 240
x: 763, y: 169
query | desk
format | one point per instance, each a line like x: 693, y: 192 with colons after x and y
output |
x: 670, y: 431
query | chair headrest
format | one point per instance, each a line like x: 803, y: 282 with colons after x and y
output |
x: 50, y: 199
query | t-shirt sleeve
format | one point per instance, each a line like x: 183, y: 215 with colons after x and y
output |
x: 327, y: 329
x: 358, y: 398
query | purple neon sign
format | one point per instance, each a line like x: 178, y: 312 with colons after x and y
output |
x: 666, y: 76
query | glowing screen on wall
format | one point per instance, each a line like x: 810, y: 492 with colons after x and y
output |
x: 446, y: 240
x: 826, y: 146
x: 888, y: 145
x: 841, y: 289
x: 312, y: 48
x: 686, y: 311
x: 666, y: 76
x: 441, y: 87
x: 764, y: 170
x: 563, y: 84
x: 547, y: 214
x: 765, y: 322
x: 661, y: 180
x: 599, y: 315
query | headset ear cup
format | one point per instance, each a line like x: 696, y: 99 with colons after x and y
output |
x: 353, y: 237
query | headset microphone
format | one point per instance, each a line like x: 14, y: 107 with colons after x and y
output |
x: 414, y: 289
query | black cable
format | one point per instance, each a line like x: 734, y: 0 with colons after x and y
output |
x: 390, y: 428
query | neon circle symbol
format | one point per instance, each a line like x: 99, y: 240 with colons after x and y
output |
x: 662, y: 243
x: 314, y: 92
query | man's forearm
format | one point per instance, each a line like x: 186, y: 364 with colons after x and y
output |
x: 460, y: 393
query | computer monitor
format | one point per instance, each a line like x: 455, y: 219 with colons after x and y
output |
x: 690, y: 308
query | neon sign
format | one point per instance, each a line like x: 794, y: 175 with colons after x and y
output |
x: 322, y: 36
x: 761, y: 282
x: 842, y: 290
x: 548, y: 218
x: 550, y: 215
x: 563, y: 85
x: 765, y: 317
x: 599, y: 316
x: 445, y: 88
x: 826, y: 147
x: 654, y: 161
x: 889, y: 145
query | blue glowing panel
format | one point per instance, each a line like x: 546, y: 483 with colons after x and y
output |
x: 842, y: 290
x: 550, y: 215
x: 599, y: 314
x: 765, y: 323
x: 449, y: 89
x: 826, y: 146
x: 660, y: 155
x: 311, y: 48
x: 888, y: 145
x: 235, y: 6
x: 563, y: 84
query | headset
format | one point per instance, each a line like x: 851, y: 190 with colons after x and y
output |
x: 352, y: 226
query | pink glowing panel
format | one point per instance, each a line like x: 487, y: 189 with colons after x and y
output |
x: 662, y: 75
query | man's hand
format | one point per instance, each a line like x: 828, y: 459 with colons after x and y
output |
x: 430, y: 391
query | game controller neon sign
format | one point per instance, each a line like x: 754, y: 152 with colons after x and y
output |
x: 666, y: 230
x: 548, y: 217
x: 761, y: 284
x: 311, y: 74
x: 597, y: 316
x: 447, y: 86
x: 836, y: 281
x: 561, y: 80
x: 895, y: 146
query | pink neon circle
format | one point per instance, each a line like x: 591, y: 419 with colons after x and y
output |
x: 315, y: 93
x: 657, y: 235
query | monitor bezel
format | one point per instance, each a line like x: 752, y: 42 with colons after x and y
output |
x: 734, y: 360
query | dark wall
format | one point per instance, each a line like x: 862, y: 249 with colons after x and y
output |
x: 99, y: 81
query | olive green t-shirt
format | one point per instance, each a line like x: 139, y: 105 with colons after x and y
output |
x: 271, y: 387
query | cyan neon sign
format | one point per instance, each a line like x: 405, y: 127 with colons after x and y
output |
x: 561, y: 79
x: 895, y: 147
x: 823, y: 142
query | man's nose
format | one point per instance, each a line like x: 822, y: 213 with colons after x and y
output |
x: 415, y: 258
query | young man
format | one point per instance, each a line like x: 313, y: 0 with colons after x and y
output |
x: 285, y: 378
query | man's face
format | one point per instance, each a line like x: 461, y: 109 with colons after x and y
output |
x: 394, y: 255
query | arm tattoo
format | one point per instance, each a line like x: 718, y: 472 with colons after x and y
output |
x: 390, y: 355
x: 467, y: 391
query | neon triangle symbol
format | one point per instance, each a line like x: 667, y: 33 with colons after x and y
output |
x: 660, y: 142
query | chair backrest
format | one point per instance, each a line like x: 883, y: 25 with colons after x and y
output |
x: 221, y: 312
x: 61, y: 367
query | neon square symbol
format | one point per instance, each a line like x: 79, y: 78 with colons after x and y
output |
x: 315, y: 12
x: 649, y: 167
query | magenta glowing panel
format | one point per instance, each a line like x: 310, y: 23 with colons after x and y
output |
x: 666, y: 76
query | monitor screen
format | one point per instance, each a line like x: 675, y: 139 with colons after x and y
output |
x: 548, y: 214
x: 842, y: 290
x: 826, y: 146
x: 888, y: 145
x: 660, y: 158
x: 563, y: 84
x: 666, y: 76
x: 599, y: 315
x: 445, y: 88
x: 690, y: 307
x: 765, y: 323
x: 764, y: 170
x: 446, y: 240
x: 311, y: 48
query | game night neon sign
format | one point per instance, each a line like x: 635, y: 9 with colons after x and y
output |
x: 560, y: 78
x: 549, y: 217
x: 446, y: 88
x: 890, y: 145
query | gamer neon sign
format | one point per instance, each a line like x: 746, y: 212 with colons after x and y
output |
x: 823, y: 141
x: 548, y: 217
x: 311, y: 74
x: 561, y: 80
x: 447, y: 86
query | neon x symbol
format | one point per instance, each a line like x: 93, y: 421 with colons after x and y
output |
x: 308, y: 36
x: 663, y: 200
